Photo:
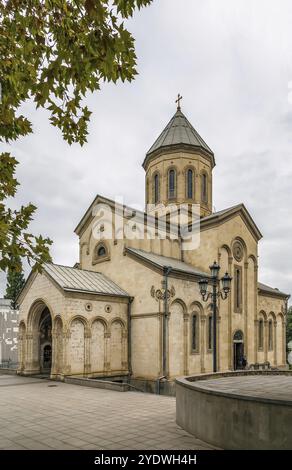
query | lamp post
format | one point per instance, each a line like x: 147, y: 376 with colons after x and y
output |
x: 214, y: 294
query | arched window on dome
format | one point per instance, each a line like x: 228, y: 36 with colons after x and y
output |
x: 156, y: 188
x: 204, y: 187
x: 171, y: 184
x: 190, y: 184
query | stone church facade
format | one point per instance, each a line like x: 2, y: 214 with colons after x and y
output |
x: 112, y: 316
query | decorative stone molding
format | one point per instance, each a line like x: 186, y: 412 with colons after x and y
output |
x: 159, y: 294
x: 237, y: 250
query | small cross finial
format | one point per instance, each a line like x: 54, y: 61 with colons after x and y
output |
x: 179, y: 98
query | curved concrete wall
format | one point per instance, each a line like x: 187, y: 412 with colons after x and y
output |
x: 232, y: 421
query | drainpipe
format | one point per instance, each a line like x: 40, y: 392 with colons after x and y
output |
x: 129, y: 335
x: 165, y: 372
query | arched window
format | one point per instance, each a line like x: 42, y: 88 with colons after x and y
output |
x: 204, y: 187
x: 156, y: 188
x: 271, y: 335
x: 195, y: 332
x: 171, y: 184
x: 100, y: 253
x: 210, y: 332
x: 238, y: 289
x: 190, y: 184
x: 261, y: 334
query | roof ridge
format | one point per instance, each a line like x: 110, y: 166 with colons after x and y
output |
x: 72, y: 267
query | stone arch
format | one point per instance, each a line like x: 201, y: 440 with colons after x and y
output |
x: 98, y: 327
x: 38, y: 344
x: 177, y: 338
x: 198, y: 305
x: 21, y: 345
x: 253, y: 258
x: 58, y: 347
x: 117, y: 344
x: 226, y: 248
x: 100, y: 319
x: 35, y: 311
x: 263, y: 314
x: 78, y: 327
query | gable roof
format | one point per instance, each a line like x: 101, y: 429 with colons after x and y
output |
x: 271, y: 290
x: 78, y: 280
x: 81, y: 280
x: 179, y: 132
x: 160, y: 262
x: 221, y: 216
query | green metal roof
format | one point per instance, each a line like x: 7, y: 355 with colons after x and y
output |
x: 179, y: 131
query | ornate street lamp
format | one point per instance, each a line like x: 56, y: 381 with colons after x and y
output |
x: 214, y: 294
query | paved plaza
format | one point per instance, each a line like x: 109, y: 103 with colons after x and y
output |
x: 42, y: 414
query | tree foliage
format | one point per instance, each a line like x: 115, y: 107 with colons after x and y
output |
x: 53, y: 52
x: 15, y: 282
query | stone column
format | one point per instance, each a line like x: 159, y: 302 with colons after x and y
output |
x: 266, y: 332
x: 54, y: 367
x: 275, y: 342
x: 32, y: 364
x: 66, y: 340
x: 218, y: 343
x: 229, y: 300
x: 186, y: 343
x: 245, y: 310
x: 124, y: 350
x: 256, y: 311
x: 283, y: 342
x: 256, y: 339
x: 87, y: 361
x: 21, y: 358
x: 107, y: 360
x: 202, y: 342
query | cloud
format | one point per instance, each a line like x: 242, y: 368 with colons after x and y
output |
x: 231, y: 61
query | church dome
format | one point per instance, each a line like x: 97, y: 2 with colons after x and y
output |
x: 179, y: 134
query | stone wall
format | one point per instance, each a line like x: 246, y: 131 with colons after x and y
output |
x: 8, y: 334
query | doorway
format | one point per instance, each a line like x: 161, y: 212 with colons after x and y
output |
x: 238, y: 351
x: 45, y: 338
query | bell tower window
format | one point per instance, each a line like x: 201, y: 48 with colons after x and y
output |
x: 190, y: 184
x: 171, y: 184
x: 204, y: 181
x: 156, y: 188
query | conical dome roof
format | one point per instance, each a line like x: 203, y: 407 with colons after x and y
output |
x: 178, y: 133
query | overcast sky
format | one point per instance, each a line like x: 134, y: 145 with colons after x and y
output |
x: 232, y: 62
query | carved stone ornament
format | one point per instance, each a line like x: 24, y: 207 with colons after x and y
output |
x: 237, y: 250
x: 159, y: 294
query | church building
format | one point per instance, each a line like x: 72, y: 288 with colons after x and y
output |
x: 131, y: 308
